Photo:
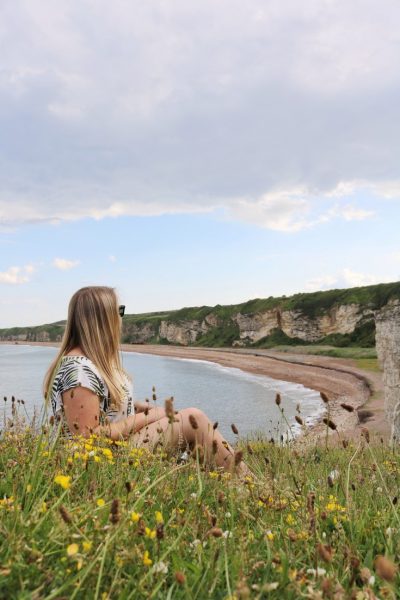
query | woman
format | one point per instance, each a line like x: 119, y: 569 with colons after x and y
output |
x: 91, y: 393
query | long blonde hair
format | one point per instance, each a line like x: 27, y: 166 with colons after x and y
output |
x: 94, y: 325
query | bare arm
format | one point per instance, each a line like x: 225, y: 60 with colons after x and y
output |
x: 82, y: 413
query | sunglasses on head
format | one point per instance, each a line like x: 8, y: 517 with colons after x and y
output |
x: 121, y: 310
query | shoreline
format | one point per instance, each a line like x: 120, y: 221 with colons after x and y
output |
x: 340, y: 379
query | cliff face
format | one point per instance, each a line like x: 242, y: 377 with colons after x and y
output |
x: 254, y: 327
x: 338, y: 317
x: 388, y: 348
x: 295, y: 324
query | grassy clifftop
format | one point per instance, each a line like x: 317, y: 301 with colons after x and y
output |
x: 226, y: 331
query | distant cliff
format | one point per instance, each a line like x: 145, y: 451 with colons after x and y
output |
x: 336, y: 317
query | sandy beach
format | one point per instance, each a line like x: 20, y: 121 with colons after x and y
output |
x: 340, y: 379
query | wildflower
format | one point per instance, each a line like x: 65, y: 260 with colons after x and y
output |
x: 146, y: 559
x: 43, y: 507
x: 87, y: 546
x: 72, y: 549
x: 269, y: 535
x: 150, y: 533
x: 159, y: 517
x: 28, y: 488
x: 135, y: 517
x: 227, y: 534
x: 316, y: 572
x: 100, y: 502
x: 107, y: 453
x: 290, y: 519
x: 63, y: 480
x: 160, y: 567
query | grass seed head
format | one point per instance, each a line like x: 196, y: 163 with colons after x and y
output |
x: 114, y: 511
x: 330, y: 423
x: 180, y: 577
x: 324, y: 397
x: 193, y: 422
x: 385, y: 568
x: 65, y: 515
x: 238, y: 456
x: 215, y: 532
x: 234, y: 429
x: 347, y: 407
x: 215, y: 425
x: 299, y: 420
x: 325, y: 552
x: 278, y: 399
x: 169, y: 409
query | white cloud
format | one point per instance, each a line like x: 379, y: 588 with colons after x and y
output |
x: 155, y: 112
x: 17, y: 275
x: 63, y: 264
x: 346, y: 278
x: 112, y: 258
x: 324, y: 282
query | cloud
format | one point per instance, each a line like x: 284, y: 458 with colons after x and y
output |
x: 346, y: 278
x: 64, y: 265
x: 112, y: 258
x: 155, y: 112
x: 17, y: 275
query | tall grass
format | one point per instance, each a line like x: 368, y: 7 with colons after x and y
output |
x: 93, y: 519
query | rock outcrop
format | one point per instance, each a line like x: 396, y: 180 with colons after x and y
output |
x: 388, y: 348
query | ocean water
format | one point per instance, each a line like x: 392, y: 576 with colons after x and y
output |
x: 225, y: 394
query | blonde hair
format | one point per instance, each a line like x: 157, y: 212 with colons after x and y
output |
x: 94, y: 325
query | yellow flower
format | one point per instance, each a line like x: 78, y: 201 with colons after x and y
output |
x: 146, y: 560
x: 150, y: 533
x: 107, y: 452
x: 79, y: 564
x: 28, y: 488
x: 135, y: 517
x: 100, y: 502
x: 43, y: 508
x: 159, y: 517
x: 87, y: 546
x: 63, y: 480
x: 97, y: 458
x: 213, y: 475
x: 269, y: 535
x: 72, y: 549
x: 290, y: 520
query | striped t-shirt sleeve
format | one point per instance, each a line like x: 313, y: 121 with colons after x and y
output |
x: 77, y: 374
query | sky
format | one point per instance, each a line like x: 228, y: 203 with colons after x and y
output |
x: 195, y: 153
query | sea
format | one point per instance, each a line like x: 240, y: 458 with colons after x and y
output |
x: 227, y: 395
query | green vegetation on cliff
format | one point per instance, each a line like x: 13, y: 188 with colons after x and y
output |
x: 216, y: 325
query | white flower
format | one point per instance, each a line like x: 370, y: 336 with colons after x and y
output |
x: 379, y: 489
x: 227, y: 534
x: 193, y: 495
x: 160, y: 567
x: 334, y: 474
x: 195, y: 543
x: 228, y: 515
x: 371, y: 580
x: 316, y: 572
x: 323, y: 534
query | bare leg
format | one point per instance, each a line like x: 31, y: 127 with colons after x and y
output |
x: 197, y: 429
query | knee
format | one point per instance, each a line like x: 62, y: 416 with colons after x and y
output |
x: 198, y: 414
